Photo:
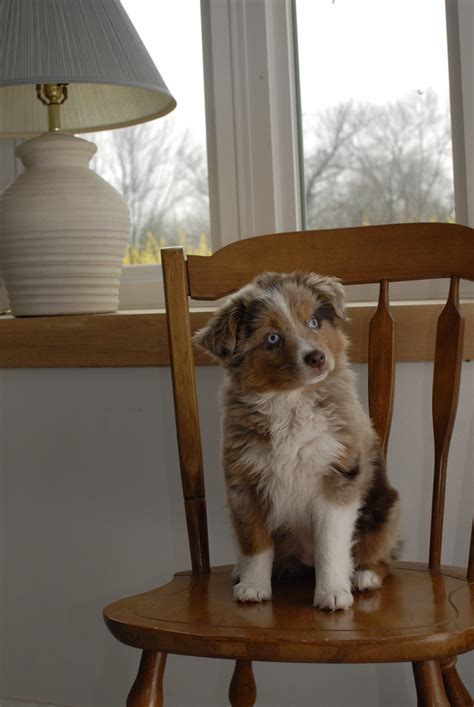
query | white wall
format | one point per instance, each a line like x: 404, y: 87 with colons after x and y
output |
x: 90, y: 511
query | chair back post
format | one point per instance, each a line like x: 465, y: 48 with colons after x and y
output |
x: 185, y: 404
x: 446, y: 379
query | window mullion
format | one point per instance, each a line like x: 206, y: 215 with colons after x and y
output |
x: 460, y: 23
x: 220, y: 122
x: 457, y: 112
x: 285, y: 114
x: 252, y: 117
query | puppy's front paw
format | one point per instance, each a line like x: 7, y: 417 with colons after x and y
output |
x: 333, y: 599
x: 365, y: 581
x: 248, y: 591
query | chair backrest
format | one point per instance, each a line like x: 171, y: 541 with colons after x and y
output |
x: 369, y: 254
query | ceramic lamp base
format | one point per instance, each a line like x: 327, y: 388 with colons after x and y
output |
x: 63, y: 231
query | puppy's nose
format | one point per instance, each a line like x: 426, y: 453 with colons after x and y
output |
x: 315, y: 358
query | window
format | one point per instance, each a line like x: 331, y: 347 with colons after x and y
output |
x: 160, y: 167
x: 261, y: 88
x: 376, y: 124
x: 257, y: 181
x: 376, y: 121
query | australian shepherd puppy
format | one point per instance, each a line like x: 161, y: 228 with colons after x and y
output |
x: 306, y: 479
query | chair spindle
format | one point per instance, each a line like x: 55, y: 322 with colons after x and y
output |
x: 382, y: 366
x: 446, y: 379
x: 147, y: 690
x: 184, y: 390
x: 242, y: 689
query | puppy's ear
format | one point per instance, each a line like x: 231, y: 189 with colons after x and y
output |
x: 219, y: 336
x: 330, y: 290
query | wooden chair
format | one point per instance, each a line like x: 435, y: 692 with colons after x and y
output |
x: 425, y: 612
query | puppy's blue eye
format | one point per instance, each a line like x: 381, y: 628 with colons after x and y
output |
x: 313, y: 323
x: 273, y: 339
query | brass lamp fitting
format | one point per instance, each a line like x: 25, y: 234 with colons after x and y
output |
x: 52, y: 95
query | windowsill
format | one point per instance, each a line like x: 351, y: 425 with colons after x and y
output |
x: 139, y: 338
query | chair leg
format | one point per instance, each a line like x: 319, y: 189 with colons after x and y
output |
x: 147, y: 690
x: 456, y: 691
x: 242, y: 689
x: 429, y: 684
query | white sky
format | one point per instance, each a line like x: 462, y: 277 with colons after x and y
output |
x: 375, y: 50
x: 171, y: 31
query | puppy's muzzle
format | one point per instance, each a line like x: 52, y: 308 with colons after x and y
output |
x: 315, y: 359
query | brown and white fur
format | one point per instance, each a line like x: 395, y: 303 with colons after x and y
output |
x: 306, y: 479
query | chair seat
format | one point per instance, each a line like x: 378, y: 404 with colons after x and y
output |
x: 416, y: 615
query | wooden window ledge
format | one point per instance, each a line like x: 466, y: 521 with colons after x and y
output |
x: 140, y: 339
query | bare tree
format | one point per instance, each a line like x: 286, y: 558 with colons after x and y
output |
x: 334, y: 131
x: 379, y: 164
x: 364, y: 164
x: 161, y: 173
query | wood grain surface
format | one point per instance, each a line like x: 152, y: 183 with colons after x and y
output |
x: 185, y: 406
x: 139, y: 339
x: 446, y: 379
x: 393, y: 252
x: 416, y: 615
x: 382, y: 366
x: 429, y: 684
x: 147, y: 690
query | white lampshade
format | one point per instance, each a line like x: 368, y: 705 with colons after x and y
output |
x: 90, y: 45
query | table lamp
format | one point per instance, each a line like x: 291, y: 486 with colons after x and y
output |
x: 68, y: 66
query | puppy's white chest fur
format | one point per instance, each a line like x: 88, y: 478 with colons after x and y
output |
x: 303, y: 444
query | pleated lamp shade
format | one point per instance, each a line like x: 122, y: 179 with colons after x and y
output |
x: 90, y: 45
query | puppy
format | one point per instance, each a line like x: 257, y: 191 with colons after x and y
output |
x: 306, y: 480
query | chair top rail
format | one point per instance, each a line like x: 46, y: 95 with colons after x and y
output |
x: 393, y: 252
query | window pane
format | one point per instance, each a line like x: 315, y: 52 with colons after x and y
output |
x: 375, y: 104
x: 160, y: 167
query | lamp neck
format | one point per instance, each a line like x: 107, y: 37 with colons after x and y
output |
x: 55, y: 150
x: 52, y: 95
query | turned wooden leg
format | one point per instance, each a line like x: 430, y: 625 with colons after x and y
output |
x: 147, y: 690
x: 456, y: 691
x: 242, y: 689
x: 429, y: 684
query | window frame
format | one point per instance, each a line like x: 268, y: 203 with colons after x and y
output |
x: 254, y: 131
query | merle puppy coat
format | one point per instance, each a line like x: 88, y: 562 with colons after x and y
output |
x: 306, y: 480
